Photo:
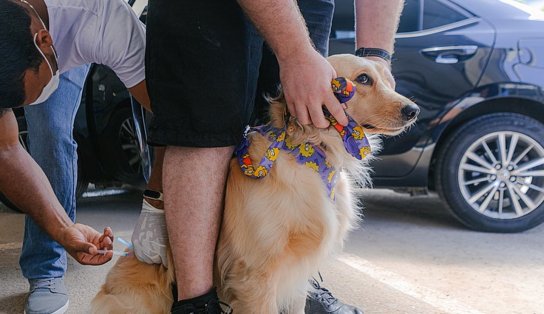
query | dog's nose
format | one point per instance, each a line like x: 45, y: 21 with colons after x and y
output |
x: 410, y: 112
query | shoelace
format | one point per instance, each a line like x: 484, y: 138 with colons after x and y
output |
x: 45, y: 283
x: 323, y: 295
x: 225, y: 308
x: 326, y: 297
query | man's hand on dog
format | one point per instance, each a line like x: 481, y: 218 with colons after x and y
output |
x: 82, y: 243
x: 306, y: 81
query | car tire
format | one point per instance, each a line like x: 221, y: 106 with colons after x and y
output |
x: 122, y: 143
x: 491, y: 173
x: 82, y: 182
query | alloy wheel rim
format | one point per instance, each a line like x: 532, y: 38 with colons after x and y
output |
x: 501, y: 175
x: 23, y: 135
x: 129, y: 144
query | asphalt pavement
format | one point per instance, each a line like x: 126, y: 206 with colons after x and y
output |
x: 408, y: 256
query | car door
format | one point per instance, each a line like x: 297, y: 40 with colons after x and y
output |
x: 441, y: 51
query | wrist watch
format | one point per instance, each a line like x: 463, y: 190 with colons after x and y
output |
x: 373, y: 52
x: 154, y: 195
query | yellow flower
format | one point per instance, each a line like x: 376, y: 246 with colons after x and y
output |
x: 272, y: 153
x: 306, y: 150
x: 331, y: 176
x: 312, y: 165
x: 364, y: 151
x: 333, y: 190
x: 335, y: 84
x: 358, y: 133
x: 281, y: 137
x: 261, y: 171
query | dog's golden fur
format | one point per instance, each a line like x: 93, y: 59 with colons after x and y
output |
x: 277, y: 231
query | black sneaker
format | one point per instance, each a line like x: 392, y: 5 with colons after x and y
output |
x: 205, y: 304
x: 321, y: 301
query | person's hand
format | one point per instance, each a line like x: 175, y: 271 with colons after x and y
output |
x: 82, y: 243
x: 306, y: 81
x: 386, y: 70
x: 150, y: 237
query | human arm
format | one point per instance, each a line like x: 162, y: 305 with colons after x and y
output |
x: 24, y: 183
x: 139, y: 92
x: 305, y: 75
x: 376, y: 23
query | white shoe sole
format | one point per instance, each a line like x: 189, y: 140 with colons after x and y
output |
x: 62, y: 310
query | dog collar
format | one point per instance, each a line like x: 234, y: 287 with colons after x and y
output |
x: 353, y: 136
x: 310, y: 155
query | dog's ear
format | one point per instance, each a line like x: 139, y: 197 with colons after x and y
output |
x: 278, y: 111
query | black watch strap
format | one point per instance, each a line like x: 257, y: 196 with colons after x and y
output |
x: 154, y: 195
x: 373, y: 52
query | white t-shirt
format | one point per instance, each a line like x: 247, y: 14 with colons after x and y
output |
x: 98, y: 31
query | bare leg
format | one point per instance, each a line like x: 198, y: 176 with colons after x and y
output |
x: 194, y: 188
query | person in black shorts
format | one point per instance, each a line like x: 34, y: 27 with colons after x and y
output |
x: 202, y: 65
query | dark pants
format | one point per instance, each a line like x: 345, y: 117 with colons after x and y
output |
x: 203, y: 60
x: 318, y: 16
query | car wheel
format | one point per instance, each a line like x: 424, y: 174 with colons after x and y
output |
x: 82, y: 181
x: 123, y: 146
x: 491, y: 173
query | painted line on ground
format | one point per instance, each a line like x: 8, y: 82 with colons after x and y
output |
x: 10, y: 246
x: 434, y: 298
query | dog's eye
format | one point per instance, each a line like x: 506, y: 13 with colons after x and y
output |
x: 364, y: 79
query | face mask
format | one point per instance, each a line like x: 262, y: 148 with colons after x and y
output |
x: 53, y: 84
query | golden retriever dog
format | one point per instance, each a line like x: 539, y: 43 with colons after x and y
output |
x: 278, y: 230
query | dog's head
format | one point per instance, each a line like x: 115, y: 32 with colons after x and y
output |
x: 375, y: 105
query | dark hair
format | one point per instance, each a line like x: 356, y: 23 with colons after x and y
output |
x: 17, y: 53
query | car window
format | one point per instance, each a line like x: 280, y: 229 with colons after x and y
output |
x: 436, y: 13
x: 410, y: 20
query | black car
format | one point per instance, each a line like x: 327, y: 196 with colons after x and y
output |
x: 476, y: 70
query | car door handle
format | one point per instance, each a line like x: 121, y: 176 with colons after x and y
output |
x: 450, y: 54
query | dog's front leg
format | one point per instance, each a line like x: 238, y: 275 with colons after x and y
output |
x: 256, y: 306
x: 297, y: 305
x: 255, y: 294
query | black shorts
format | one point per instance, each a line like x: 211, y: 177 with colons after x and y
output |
x: 202, y: 65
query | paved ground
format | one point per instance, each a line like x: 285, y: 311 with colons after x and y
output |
x: 409, y: 256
